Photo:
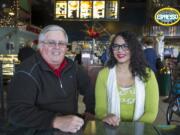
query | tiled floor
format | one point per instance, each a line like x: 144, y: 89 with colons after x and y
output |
x: 161, y: 118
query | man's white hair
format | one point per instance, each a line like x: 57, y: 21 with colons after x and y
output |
x: 50, y: 28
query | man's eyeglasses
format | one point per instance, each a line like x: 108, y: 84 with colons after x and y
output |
x: 54, y: 43
x: 117, y: 47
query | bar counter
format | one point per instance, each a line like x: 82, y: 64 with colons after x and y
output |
x: 93, y: 71
x: 99, y: 128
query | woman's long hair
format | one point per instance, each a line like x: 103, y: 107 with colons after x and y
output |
x: 138, y: 63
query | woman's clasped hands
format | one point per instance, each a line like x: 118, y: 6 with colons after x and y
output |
x: 112, y: 119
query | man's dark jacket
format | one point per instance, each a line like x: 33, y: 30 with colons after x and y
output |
x: 36, y: 95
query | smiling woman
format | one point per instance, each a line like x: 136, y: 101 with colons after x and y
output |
x: 124, y: 87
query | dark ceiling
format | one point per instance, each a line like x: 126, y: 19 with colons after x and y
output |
x: 43, y: 12
x: 134, y: 14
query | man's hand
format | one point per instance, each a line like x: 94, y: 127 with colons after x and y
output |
x: 112, y: 119
x: 69, y: 123
x: 88, y: 116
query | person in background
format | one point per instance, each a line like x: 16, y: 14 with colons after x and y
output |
x: 178, y: 58
x: 104, y: 57
x: 150, y: 53
x: 43, y: 93
x: 78, y: 57
x: 25, y: 52
x: 126, y: 89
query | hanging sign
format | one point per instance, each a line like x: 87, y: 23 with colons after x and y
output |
x: 167, y: 16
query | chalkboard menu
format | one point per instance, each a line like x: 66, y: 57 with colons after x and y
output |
x: 86, y: 10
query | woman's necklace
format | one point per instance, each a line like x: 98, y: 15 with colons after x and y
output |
x: 124, y: 79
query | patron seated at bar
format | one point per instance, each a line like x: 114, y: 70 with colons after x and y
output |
x: 44, y: 90
x: 126, y: 90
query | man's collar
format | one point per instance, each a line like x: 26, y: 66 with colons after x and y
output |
x: 45, y: 66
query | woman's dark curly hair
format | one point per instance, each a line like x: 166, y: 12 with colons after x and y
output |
x: 138, y: 63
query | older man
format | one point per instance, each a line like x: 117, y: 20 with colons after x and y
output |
x: 44, y: 90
